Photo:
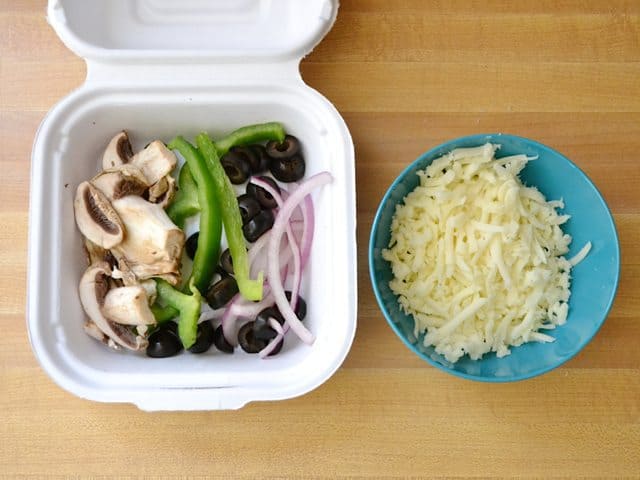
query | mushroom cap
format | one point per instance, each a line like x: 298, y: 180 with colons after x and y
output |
x: 96, y: 218
x: 92, y: 330
x: 155, y: 161
x: 95, y: 253
x: 153, y: 244
x: 150, y: 288
x: 93, y: 289
x: 121, y: 181
x: 121, y: 269
x: 162, y: 191
x: 128, y: 306
x: 118, y: 151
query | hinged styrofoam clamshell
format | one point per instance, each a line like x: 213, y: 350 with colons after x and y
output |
x: 159, y: 68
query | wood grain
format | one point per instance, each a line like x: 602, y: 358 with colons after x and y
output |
x: 406, y: 75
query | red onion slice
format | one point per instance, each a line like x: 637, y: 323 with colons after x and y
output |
x: 308, y: 222
x: 208, y: 313
x: 251, y: 309
x: 239, y: 307
x: 258, y: 246
x: 293, y: 244
x: 277, y: 231
x: 274, y: 341
x: 229, y: 322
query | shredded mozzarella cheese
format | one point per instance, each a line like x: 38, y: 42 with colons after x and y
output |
x: 477, y: 257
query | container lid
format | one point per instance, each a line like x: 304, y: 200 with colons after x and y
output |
x: 226, y: 31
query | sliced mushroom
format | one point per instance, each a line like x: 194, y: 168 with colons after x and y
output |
x: 155, y: 161
x: 122, y: 270
x: 153, y: 244
x: 118, y: 151
x: 158, y: 189
x: 92, y: 330
x: 142, y: 329
x: 93, y: 289
x: 95, y: 253
x: 96, y: 218
x: 149, y: 286
x: 119, y: 182
x: 128, y: 306
x: 162, y: 191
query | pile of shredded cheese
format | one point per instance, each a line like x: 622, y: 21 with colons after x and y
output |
x: 477, y: 257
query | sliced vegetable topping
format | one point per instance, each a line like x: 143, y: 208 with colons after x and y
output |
x: 132, y: 294
x: 287, y: 163
x: 240, y: 308
x: 185, y: 204
x: 249, y: 207
x: 258, y: 225
x: 163, y: 314
x: 208, y: 249
x: 191, y: 245
x: 220, y: 342
x: 250, y: 289
x: 262, y: 159
x: 226, y: 262
x: 188, y: 307
x: 293, y: 244
x: 221, y: 292
x: 264, y: 198
x: 251, y: 134
x: 204, y: 338
x: 236, y: 166
x: 275, y: 345
x: 279, y: 227
x: 164, y: 342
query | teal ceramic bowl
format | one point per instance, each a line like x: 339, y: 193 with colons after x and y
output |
x: 594, y: 280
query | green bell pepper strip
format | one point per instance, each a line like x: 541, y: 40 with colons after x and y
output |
x: 185, y: 203
x: 208, y: 251
x: 163, y: 314
x: 251, y: 134
x: 250, y: 289
x: 188, y: 307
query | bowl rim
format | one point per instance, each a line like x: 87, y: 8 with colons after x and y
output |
x: 444, y: 148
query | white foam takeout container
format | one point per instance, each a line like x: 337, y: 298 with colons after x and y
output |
x: 159, y: 68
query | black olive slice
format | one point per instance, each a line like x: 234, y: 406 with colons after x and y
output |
x: 226, y: 262
x: 270, y: 312
x: 263, y: 331
x: 204, y: 338
x: 221, y: 292
x: 277, y: 348
x: 247, y: 340
x: 301, y: 306
x: 164, y: 342
x: 236, y: 167
x: 220, y: 342
x: 250, y: 157
x: 191, y: 245
x: 258, y: 225
x: 289, y: 147
x: 263, y: 197
x: 288, y: 169
x: 263, y: 159
x: 249, y: 207
x: 171, y: 326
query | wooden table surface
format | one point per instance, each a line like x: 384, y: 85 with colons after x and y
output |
x: 406, y: 75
